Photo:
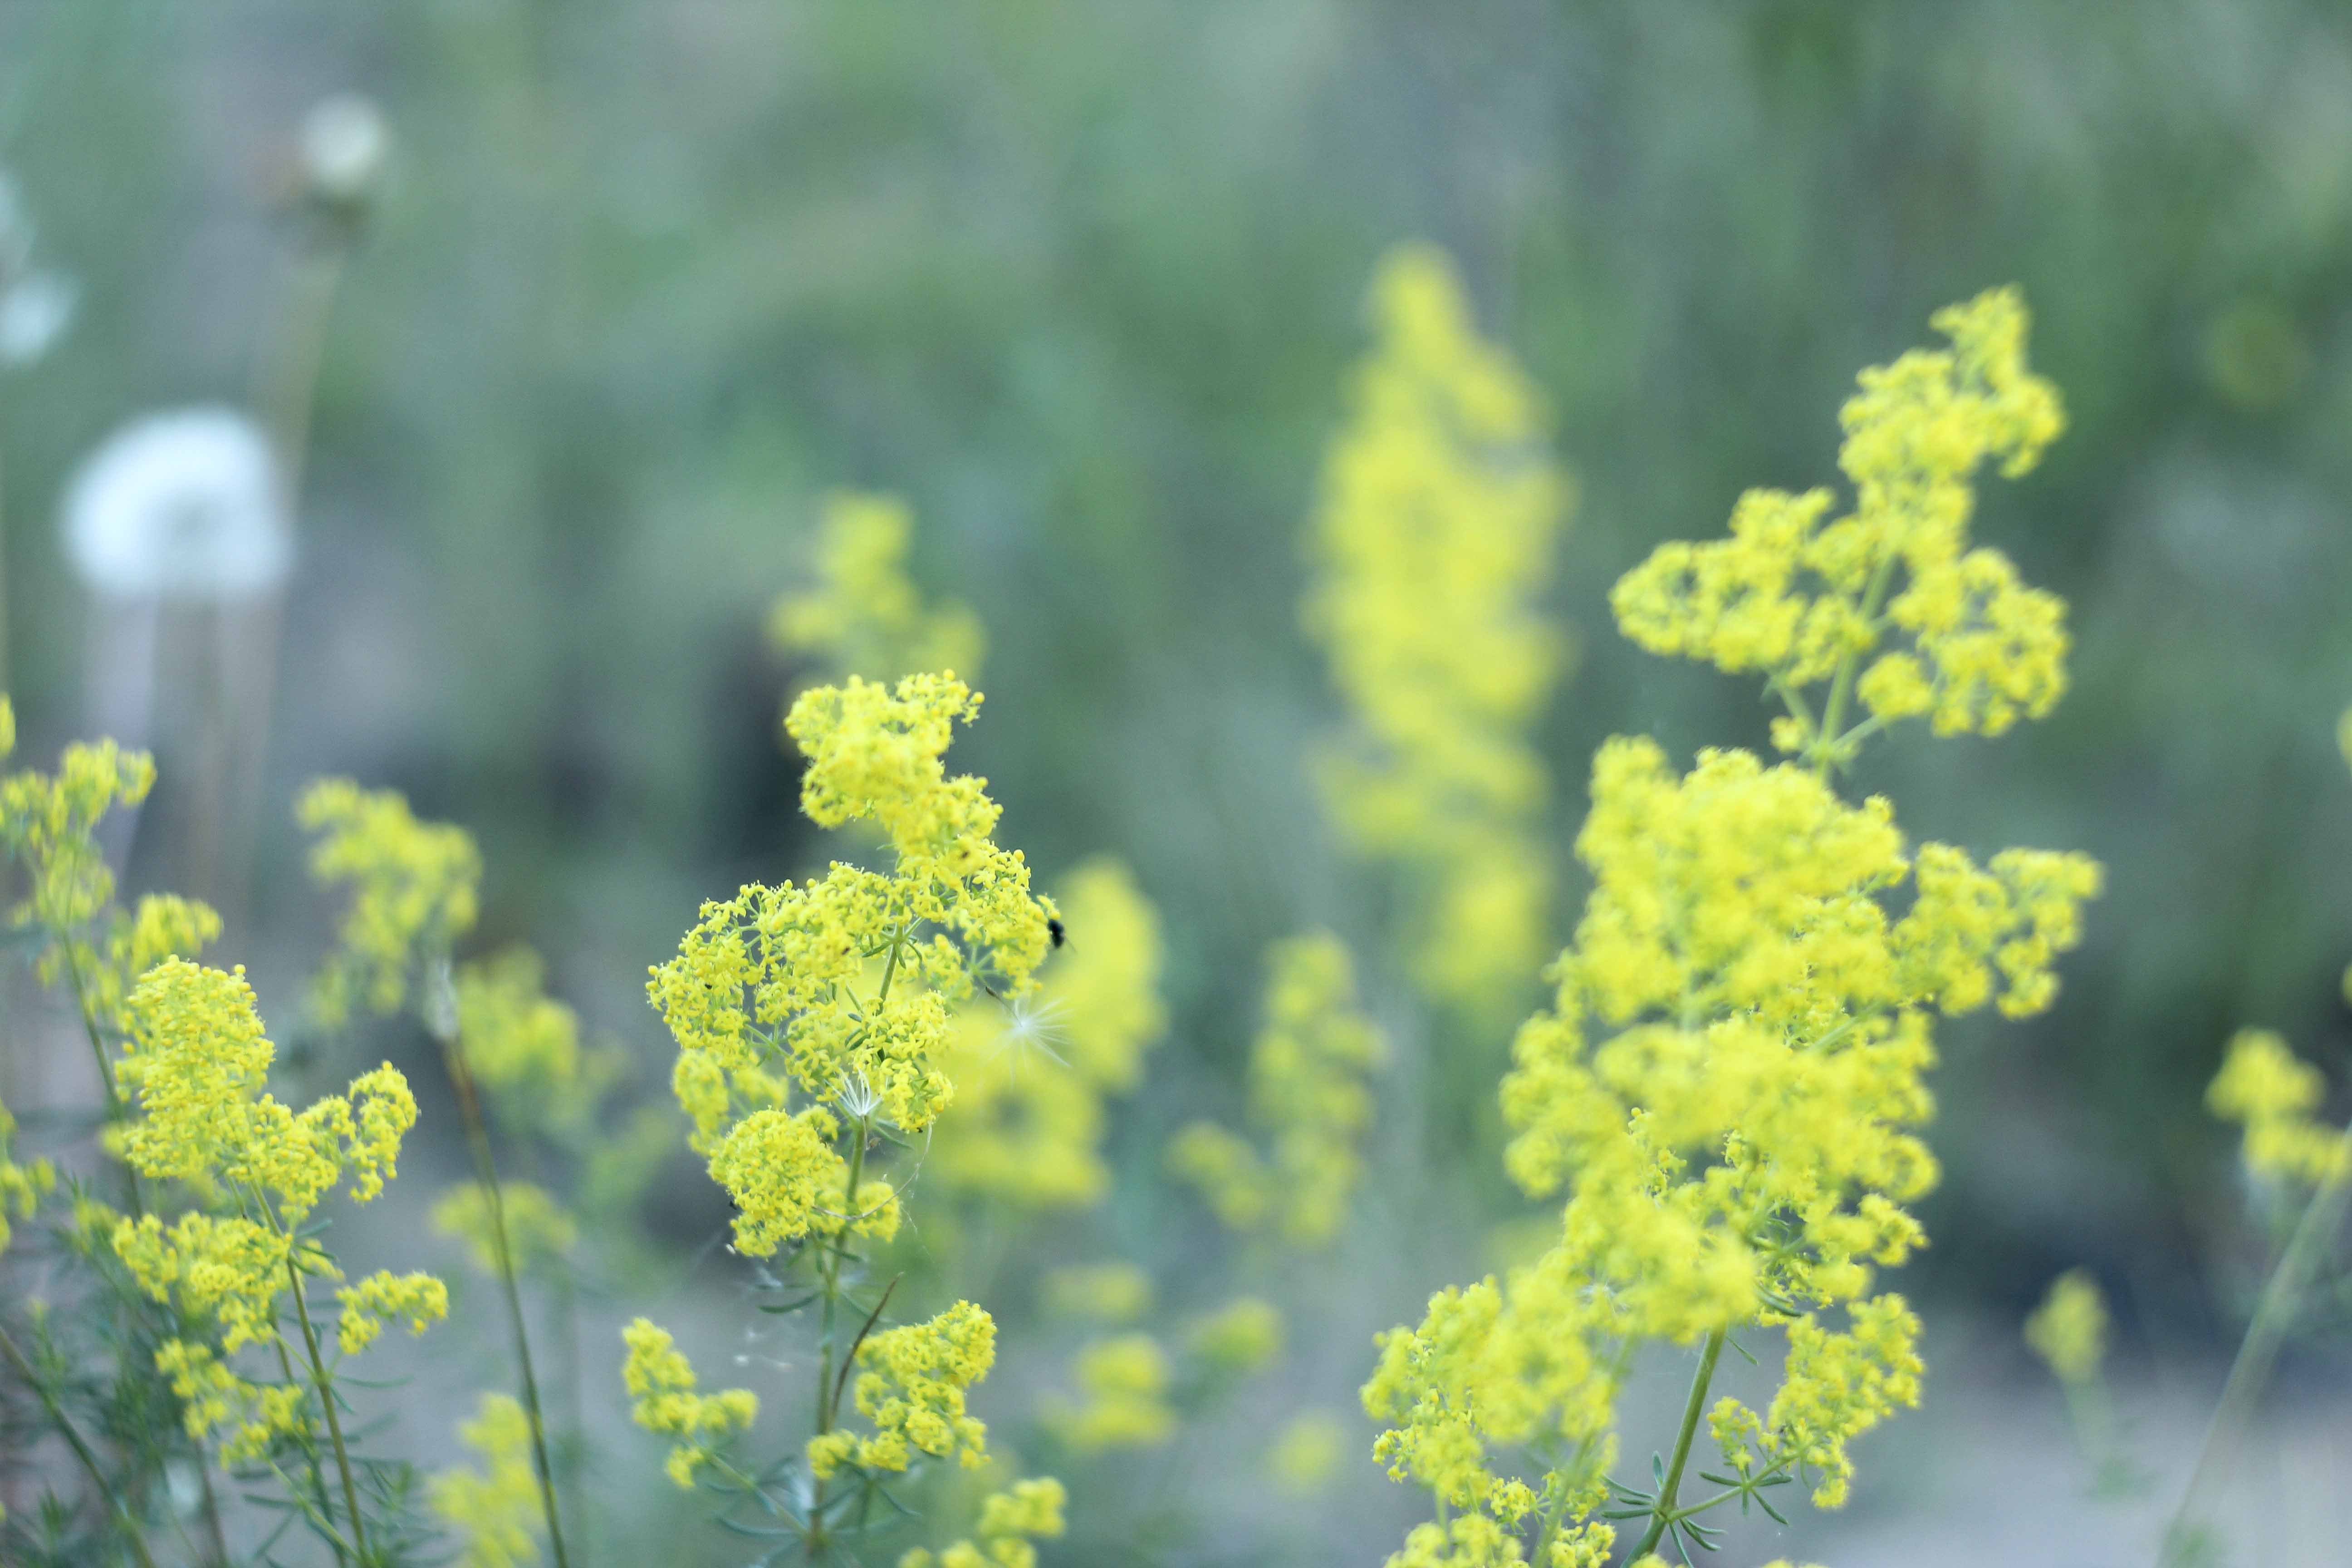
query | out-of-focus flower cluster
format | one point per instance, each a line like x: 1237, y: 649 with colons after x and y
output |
x: 1431, y: 547
x: 1309, y: 1094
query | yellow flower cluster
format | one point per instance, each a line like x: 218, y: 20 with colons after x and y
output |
x: 661, y: 1386
x: 866, y: 617
x: 1431, y: 547
x: 2069, y: 1330
x: 1728, y: 1085
x: 845, y: 985
x: 1308, y: 1453
x: 1105, y: 1292
x: 539, y: 1231
x: 1029, y: 1113
x: 22, y: 1186
x: 524, y: 1046
x: 1308, y: 1093
x: 2264, y: 1086
x: 49, y: 823
x: 495, y: 1511
x: 912, y: 1389
x: 417, y: 1299
x: 413, y: 887
x: 198, y: 1059
x: 1802, y: 602
x: 1240, y: 1336
x: 1009, y: 1521
x: 1123, y: 1396
x: 160, y: 926
x: 787, y: 1182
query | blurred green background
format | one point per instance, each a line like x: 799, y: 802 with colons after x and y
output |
x: 1082, y: 282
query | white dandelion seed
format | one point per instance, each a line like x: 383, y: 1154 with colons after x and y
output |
x: 185, y: 505
x: 1031, y: 1025
x: 857, y: 1097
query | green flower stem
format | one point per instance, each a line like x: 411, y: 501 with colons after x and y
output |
x: 478, y: 1134
x: 115, y: 1110
x: 1662, y: 1507
x: 65, y: 1427
x: 1842, y: 685
x: 324, y: 1382
x: 2322, y: 1218
x: 320, y: 1508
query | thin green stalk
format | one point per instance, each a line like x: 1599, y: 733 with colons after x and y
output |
x: 478, y: 1134
x: 324, y: 1384
x: 65, y: 1425
x: 2322, y: 1218
x: 1661, y: 1507
x: 310, y: 1459
x: 1825, y: 739
x: 115, y: 1110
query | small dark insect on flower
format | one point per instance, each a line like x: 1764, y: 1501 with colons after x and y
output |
x: 1053, y: 929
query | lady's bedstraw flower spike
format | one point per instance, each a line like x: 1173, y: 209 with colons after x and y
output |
x: 1431, y: 547
x: 1887, y: 604
x: 1729, y: 1088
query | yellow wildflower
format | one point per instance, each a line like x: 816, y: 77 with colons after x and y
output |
x: 1308, y: 1452
x: 1307, y: 1090
x: 661, y: 1386
x: 1432, y: 548
x: 50, y: 824
x: 1728, y: 1086
x: 204, y: 1059
x: 2262, y: 1087
x: 2069, y: 1330
x: 833, y: 984
x: 413, y: 892
x: 1239, y: 1337
x: 1031, y: 1076
x: 1804, y: 603
x: 22, y: 1186
x: 911, y: 1387
x: 494, y: 1513
x: 1027, y: 1511
x: 1106, y: 1292
x: 1123, y: 1387
x: 866, y: 617
x: 524, y: 1046
x: 417, y: 1299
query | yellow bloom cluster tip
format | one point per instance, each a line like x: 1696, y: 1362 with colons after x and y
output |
x: 494, y: 1513
x: 413, y: 890
x: 2069, y: 1330
x: 1887, y: 604
x: 662, y: 1388
x: 1009, y: 1522
x: 865, y: 617
x: 2264, y: 1086
x: 843, y: 984
x: 1308, y: 1092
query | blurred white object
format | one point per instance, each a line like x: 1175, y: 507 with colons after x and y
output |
x: 344, y: 143
x: 36, y: 305
x: 34, y: 312
x: 185, y: 505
